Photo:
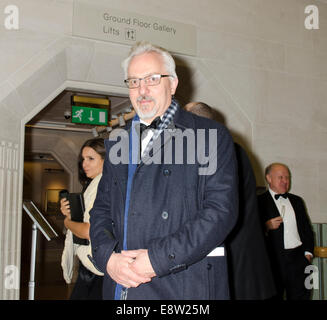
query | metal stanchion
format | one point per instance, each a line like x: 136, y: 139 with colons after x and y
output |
x: 39, y: 222
x: 321, y: 253
x: 31, y: 284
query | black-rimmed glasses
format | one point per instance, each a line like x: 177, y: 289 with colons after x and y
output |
x: 152, y: 80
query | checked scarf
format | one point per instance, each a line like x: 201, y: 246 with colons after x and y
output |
x: 166, y: 120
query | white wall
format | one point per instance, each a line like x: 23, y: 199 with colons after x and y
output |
x: 255, y: 62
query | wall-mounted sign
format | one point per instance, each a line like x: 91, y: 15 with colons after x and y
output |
x: 100, y: 22
x: 86, y: 115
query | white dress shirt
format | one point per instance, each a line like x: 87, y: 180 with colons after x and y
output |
x: 291, y: 235
x: 147, y: 138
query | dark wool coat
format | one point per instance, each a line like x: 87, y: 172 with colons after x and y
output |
x: 175, y: 213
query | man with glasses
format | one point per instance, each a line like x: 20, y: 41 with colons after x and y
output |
x: 157, y: 229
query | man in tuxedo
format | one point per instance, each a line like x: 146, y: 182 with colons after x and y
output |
x: 249, y: 270
x: 289, y: 233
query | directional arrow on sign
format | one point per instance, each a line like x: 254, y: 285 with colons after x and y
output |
x: 91, y: 116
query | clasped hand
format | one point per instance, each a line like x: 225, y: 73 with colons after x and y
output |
x: 130, y: 268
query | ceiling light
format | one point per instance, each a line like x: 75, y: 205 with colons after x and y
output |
x: 90, y: 100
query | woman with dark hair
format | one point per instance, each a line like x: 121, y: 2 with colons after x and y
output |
x: 88, y: 285
x: 98, y: 146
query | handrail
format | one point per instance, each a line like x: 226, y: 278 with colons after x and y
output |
x: 320, y: 252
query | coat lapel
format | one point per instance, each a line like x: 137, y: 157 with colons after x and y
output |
x: 297, y: 212
x: 159, y: 143
x: 120, y: 170
x: 272, y: 208
x: 181, y: 120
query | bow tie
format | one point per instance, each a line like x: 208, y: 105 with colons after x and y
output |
x: 154, y: 125
x: 284, y: 195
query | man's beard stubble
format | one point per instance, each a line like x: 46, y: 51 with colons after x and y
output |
x: 148, y: 114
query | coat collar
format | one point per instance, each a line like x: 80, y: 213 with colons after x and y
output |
x: 182, y: 120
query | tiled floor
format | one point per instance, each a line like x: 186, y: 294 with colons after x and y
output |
x: 47, y: 292
x: 49, y: 283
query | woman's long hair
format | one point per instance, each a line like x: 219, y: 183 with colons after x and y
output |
x: 97, y: 145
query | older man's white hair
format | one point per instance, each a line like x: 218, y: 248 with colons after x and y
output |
x: 145, y: 47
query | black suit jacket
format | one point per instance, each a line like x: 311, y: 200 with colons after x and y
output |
x: 269, y: 210
x: 249, y: 266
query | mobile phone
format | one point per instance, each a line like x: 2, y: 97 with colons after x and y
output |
x: 63, y: 194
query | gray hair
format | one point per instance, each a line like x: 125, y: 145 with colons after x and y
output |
x: 145, y: 47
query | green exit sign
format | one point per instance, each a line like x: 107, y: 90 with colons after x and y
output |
x: 88, y: 115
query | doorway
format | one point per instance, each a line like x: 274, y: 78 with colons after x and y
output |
x: 52, y: 144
